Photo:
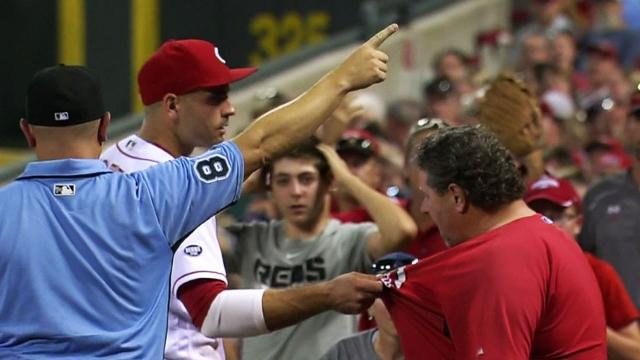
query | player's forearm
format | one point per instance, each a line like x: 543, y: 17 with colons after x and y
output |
x: 278, y: 130
x: 622, y: 347
x: 290, y: 306
x: 395, y: 225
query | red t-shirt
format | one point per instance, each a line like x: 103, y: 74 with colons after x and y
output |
x: 619, y: 310
x: 356, y: 215
x: 523, y: 290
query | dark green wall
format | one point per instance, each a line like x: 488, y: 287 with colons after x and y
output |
x: 238, y: 27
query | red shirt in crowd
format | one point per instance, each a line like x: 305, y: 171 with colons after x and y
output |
x: 426, y: 243
x: 619, y: 309
x: 523, y: 290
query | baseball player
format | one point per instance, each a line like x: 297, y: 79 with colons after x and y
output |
x: 85, y: 252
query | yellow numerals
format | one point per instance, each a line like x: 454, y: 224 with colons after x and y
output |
x: 278, y: 36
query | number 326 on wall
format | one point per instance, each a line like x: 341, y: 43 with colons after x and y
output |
x: 279, y: 36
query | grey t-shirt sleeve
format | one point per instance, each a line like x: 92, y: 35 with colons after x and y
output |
x: 356, y: 347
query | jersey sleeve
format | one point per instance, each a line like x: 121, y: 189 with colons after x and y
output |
x: 187, y: 191
x: 198, y: 257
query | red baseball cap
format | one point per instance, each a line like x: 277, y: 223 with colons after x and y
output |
x: 182, y: 66
x: 555, y: 190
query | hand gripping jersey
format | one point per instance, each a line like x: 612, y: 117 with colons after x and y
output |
x: 85, y: 253
x: 521, y: 291
x: 198, y: 257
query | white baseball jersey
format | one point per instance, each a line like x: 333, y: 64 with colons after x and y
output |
x: 198, y: 257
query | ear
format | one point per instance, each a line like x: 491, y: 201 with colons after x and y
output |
x: 105, y: 120
x: 170, y: 105
x: 28, y: 134
x: 459, y: 198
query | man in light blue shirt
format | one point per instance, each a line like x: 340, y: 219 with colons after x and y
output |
x: 85, y: 253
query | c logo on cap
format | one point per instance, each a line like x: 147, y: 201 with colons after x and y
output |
x: 217, y: 51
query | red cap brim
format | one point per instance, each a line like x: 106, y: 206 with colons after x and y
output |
x: 241, y: 73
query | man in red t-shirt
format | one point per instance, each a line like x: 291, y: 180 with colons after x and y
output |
x: 511, y: 285
x: 558, y: 200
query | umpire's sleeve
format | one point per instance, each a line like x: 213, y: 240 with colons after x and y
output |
x: 187, y: 191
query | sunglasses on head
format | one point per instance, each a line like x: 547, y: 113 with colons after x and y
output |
x: 428, y: 124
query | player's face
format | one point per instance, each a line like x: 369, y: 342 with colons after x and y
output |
x: 298, y: 191
x: 204, y: 116
x: 439, y: 207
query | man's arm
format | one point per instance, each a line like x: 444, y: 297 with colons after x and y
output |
x: 396, y: 227
x: 282, y: 128
x: 624, y: 343
x: 241, y: 313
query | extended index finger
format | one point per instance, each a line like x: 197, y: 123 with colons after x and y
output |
x: 377, y: 39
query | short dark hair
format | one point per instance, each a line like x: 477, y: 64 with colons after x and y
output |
x: 474, y: 159
x: 307, y: 150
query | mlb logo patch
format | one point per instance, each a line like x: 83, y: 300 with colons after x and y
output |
x: 61, y: 116
x: 64, y: 189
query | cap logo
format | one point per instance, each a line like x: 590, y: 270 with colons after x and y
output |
x: 545, y: 182
x: 218, y: 55
x: 61, y: 116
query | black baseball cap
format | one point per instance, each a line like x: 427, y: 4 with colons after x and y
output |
x: 63, y: 95
x: 359, y: 142
x: 392, y: 261
x: 439, y: 88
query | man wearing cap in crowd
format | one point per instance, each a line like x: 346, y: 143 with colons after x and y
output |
x: 428, y: 241
x: 442, y: 101
x: 307, y: 246
x: 611, y: 213
x: 86, y: 252
x: 381, y: 342
x: 359, y: 149
x: 558, y: 200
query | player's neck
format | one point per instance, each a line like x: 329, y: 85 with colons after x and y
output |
x: 166, y: 140
x: 387, y: 346
x: 55, y: 151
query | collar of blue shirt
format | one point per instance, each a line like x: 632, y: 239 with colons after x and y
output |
x: 64, y: 168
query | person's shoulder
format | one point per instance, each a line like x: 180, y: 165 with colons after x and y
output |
x: 612, y: 186
x: 612, y: 183
x: 600, y: 267
x: 352, y: 347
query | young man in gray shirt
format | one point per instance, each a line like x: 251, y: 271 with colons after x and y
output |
x: 307, y: 246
